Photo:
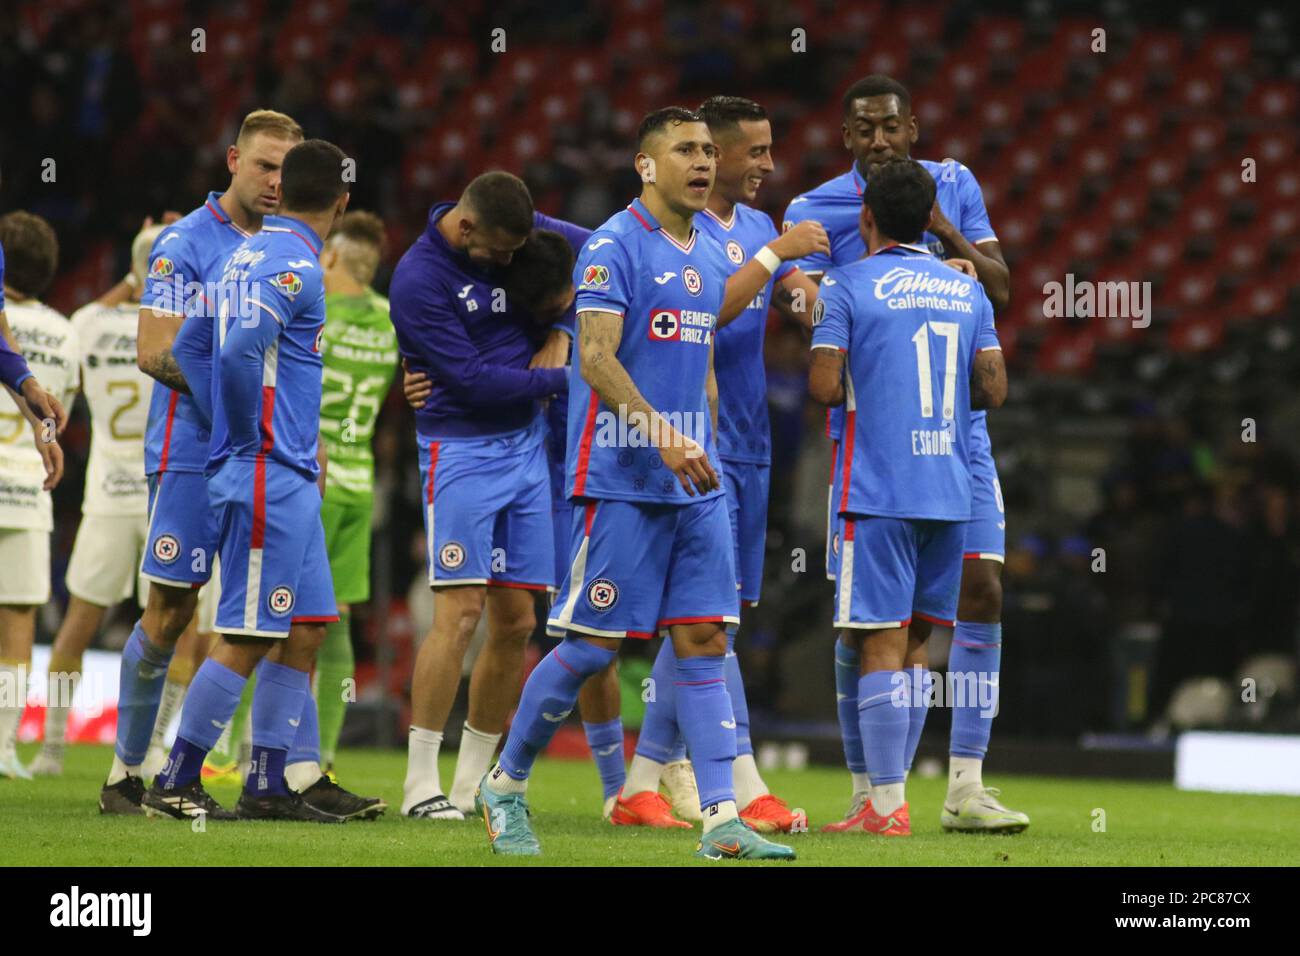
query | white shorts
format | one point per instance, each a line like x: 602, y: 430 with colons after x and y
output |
x: 105, y: 565
x: 24, y: 566
x: 209, y: 597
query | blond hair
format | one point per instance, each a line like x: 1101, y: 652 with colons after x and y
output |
x: 269, y: 121
x: 360, y: 241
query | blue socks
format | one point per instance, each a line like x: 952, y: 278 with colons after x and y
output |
x: 660, y: 739
x: 705, y: 716
x: 917, y: 682
x: 736, y: 688
x: 549, y: 697
x: 847, y: 662
x: 884, y: 725
x: 977, y: 650
x: 209, y: 704
x: 278, y: 703
x: 143, y: 672
x: 606, y: 743
x: 306, y: 742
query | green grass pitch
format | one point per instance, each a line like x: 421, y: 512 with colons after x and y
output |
x: 56, y: 822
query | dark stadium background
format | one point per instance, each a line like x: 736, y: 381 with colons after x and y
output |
x: 1123, y: 165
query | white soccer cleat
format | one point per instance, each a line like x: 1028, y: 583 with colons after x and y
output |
x: 610, y: 802
x: 678, y: 781
x: 48, y: 763
x: 437, y: 807
x: 981, y: 812
x: 11, y: 768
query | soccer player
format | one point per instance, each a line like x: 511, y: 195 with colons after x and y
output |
x: 650, y: 545
x: 105, y: 562
x: 48, y: 343
x: 264, y: 405
x: 743, y: 137
x: 879, y: 125
x: 359, y: 352
x: 919, y: 348
x: 483, y: 469
x: 182, y: 538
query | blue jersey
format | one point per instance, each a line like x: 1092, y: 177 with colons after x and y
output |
x: 669, y: 296
x: 267, y: 363
x: 743, y: 430
x: 185, y: 260
x: 455, y: 324
x: 911, y: 327
x: 837, y: 205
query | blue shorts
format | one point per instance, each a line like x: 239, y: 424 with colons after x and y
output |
x: 833, y: 491
x: 275, y: 570
x: 562, y: 524
x: 894, y: 569
x: 637, y: 568
x: 747, y: 484
x: 487, y: 510
x: 182, y: 536
x: 986, y: 532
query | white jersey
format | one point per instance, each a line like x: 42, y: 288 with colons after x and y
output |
x: 118, y: 395
x: 49, y: 344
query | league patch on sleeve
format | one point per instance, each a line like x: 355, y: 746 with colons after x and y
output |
x: 162, y: 267
x: 595, y: 279
x: 290, y: 283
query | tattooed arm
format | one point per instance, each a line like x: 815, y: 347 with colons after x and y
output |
x: 155, y: 334
x: 988, y: 380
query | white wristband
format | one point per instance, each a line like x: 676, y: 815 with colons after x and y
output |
x: 768, y: 259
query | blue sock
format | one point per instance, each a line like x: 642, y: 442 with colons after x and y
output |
x: 917, y: 682
x: 306, y: 742
x: 661, y: 739
x: 606, y: 743
x: 977, y: 650
x: 210, y: 702
x: 704, y: 714
x: 884, y: 724
x: 736, y: 689
x: 143, y: 672
x: 847, y: 662
x: 277, y: 718
x: 549, y: 696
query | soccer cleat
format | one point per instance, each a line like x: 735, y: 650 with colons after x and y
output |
x: 122, y: 798
x: 12, y: 768
x: 506, y: 818
x: 437, y: 807
x: 282, y: 806
x: 678, y: 778
x: 897, y: 824
x: 853, y: 819
x: 734, y: 840
x: 645, y: 809
x: 48, y: 762
x: 768, y: 814
x: 154, y: 761
x: 981, y: 812
x: 610, y: 803
x: 183, y: 803
x: 327, y: 795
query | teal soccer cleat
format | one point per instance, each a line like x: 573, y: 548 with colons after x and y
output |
x: 735, y: 841
x: 506, y: 818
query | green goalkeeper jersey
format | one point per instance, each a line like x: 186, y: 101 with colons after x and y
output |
x: 359, y: 351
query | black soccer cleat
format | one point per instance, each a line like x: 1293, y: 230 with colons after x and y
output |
x: 328, y: 796
x: 122, y: 798
x: 282, y: 806
x: 184, y: 803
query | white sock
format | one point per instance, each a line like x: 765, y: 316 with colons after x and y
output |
x: 719, y: 813
x: 642, y: 775
x: 57, y: 711
x: 887, y: 798
x: 749, y: 785
x: 299, y: 776
x: 13, y: 700
x: 498, y: 781
x: 964, y: 775
x: 173, y: 696
x: 476, y: 752
x: 422, y: 780
x: 119, y: 771
x: 861, y: 782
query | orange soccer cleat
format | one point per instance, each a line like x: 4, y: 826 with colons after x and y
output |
x: 897, y: 824
x: 768, y: 814
x: 645, y: 809
x: 853, y: 819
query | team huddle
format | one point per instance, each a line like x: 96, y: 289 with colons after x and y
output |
x: 592, y: 424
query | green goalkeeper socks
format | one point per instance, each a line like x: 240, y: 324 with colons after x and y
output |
x: 334, y: 683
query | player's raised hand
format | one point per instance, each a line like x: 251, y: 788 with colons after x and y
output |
x: 52, y: 458
x: 553, y: 354
x: 44, y: 406
x: 686, y: 459
x: 415, y: 386
x: 964, y: 266
x: 802, y: 239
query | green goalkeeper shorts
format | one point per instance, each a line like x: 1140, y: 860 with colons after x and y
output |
x: 347, y: 539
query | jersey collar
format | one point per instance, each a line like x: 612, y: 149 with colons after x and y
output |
x: 651, y: 224
x: 859, y: 183
x: 213, y: 205
x: 299, y: 229
x: 726, y: 224
x: 902, y: 248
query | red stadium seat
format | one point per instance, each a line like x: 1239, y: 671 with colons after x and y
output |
x: 1067, y: 353
x: 1188, y: 287
x: 1196, y: 332
x: 1225, y: 52
x: 1277, y: 100
x: 1202, y: 136
x: 1258, y: 299
x: 1158, y: 250
x: 1201, y: 217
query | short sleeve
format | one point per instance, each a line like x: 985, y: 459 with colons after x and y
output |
x: 832, y: 314
x: 604, y: 275
x: 975, y: 225
x: 171, y: 267
x: 802, y: 208
x: 278, y: 289
x: 986, y: 334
